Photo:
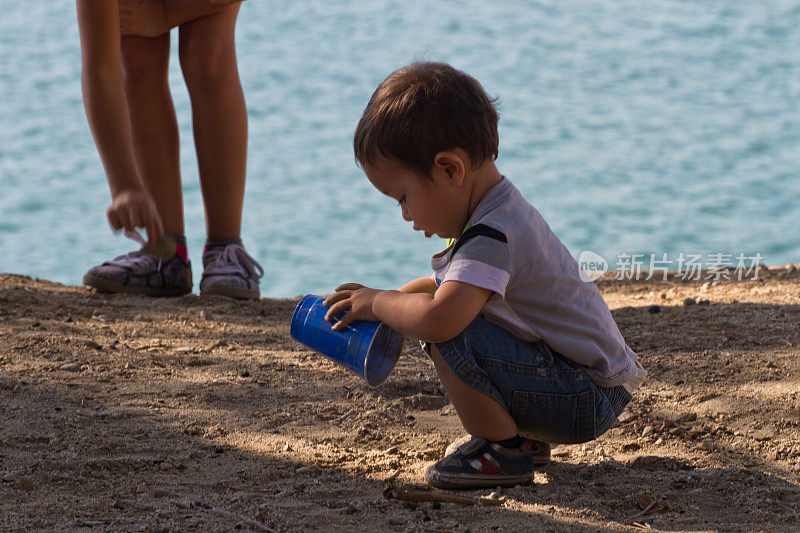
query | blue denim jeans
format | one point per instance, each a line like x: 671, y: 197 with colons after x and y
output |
x: 550, y: 397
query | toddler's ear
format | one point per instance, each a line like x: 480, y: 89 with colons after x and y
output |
x: 451, y: 164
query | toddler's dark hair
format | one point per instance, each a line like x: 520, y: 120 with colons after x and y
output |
x: 423, y: 109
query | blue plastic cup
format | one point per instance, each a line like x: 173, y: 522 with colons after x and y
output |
x: 367, y: 349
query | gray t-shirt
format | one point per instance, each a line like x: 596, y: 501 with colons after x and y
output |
x: 537, y: 291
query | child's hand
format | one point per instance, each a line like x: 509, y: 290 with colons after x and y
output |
x: 135, y: 208
x: 353, y: 298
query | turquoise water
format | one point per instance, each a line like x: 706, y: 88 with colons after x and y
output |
x: 654, y: 127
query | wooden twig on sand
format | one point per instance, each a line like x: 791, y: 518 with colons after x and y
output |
x: 407, y: 493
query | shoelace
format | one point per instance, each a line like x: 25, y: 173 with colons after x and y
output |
x: 233, y: 259
x: 138, y: 258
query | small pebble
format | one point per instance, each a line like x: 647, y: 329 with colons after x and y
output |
x: 351, y: 509
x: 689, y: 301
x: 142, y: 489
x: 654, y: 309
x: 626, y: 417
x: 659, y: 440
x: 25, y: 483
x: 71, y: 367
x: 245, y: 374
x: 306, y: 469
x: 648, y: 430
x: 390, y: 450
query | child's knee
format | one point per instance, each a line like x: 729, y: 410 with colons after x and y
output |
x: 144, y: 59
x: 206, y: 62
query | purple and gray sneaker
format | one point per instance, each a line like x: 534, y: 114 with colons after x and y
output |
x: 228, y: 270
x: 141, y: 272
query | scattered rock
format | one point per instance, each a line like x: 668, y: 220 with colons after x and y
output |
x: 245, y: 374
x: 666, y: 424
x: 704, y: 302
x: 351, y: 509
x: 648, y: 430
x: 654, y: 309
x: 659, y: 441
x: 626, y: 417
x: 689, y: 301
x: 25, y: 483
x: 686, y: 417
x: 92, y: 344
x: 306, y: 469
x: 391, y: 450
x: 160, y: 493
x: 142, y: 489
x: 71, y: 367
x: 707, y: 445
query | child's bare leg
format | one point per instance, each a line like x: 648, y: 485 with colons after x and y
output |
x: 208, y: 60
x: 153, y: 123
x: 480, y: 414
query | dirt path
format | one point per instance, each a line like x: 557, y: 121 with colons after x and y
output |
x: 131, y: 413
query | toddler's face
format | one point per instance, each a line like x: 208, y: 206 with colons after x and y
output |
x: 432, y: 205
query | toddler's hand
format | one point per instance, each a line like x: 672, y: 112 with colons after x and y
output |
x: 135, y: 208
x: 353, y: 298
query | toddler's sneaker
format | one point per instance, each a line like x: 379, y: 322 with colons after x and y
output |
x: 479, y: 463
x: 142, y: 272
x: 228, y: 270
x: 540, y: 450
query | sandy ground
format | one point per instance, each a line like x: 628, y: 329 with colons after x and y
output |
x: 131, y: 413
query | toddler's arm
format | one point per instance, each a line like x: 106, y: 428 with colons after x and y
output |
x: 428, y: 317
x: 419, y: 285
